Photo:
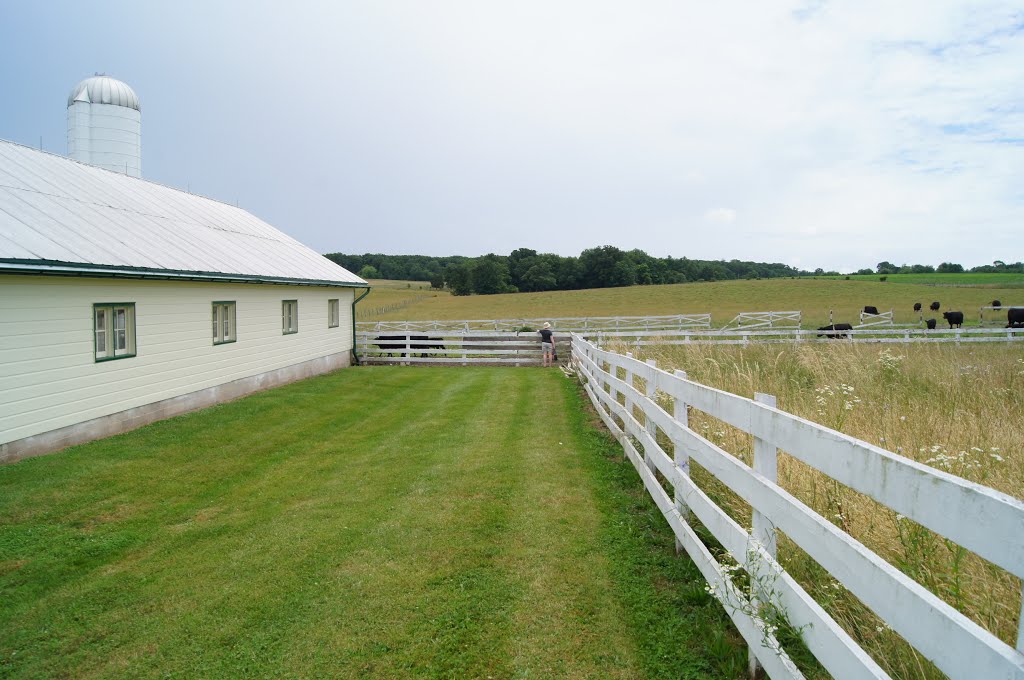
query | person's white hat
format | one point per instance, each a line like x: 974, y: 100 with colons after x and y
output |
x: 547, y: 325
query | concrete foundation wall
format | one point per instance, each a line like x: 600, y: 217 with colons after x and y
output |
x: 132, y: 418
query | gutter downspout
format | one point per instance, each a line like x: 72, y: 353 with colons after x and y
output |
x: 355, y: 357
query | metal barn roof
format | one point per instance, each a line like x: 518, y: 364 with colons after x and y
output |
x: 60, y: 216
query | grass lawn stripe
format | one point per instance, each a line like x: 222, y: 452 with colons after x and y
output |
x: 378, y: 521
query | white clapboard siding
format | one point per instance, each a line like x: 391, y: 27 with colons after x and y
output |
x: 951, y: 641
x: 51, y: 379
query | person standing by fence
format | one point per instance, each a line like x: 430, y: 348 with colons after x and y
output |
x: 547, y: 344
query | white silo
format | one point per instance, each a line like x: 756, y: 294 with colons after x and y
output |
x: 105, y: 125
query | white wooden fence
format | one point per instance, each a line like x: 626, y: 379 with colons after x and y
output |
x: 999, y: 318
x: 563, y: 324
x: 766, y: 320
x: 880, y: 319
x: 980, y: 519
x: 740, y: 336
x: 460, y: 349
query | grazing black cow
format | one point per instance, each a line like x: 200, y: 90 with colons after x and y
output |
x: 1015, y: 316
x: 423, y: 342
x: 954, y: 318
x: 391, y: 344
x: 917, y: 306
x: 834, y: 335
x: 996, y: 303
x: 871, y: 310
x: 930, y: 323
x: 934, y: 306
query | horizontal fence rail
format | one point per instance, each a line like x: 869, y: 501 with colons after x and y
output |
x: 946, y: 504
x: 562, y: 324
x: 766, y: 320
x: 741, y: 336
x: 460, y: 349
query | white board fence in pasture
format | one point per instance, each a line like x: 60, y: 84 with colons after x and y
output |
x: 999, y: 318
x: 766, y: 320
x: 982, y: 520
x: 881, y: 319
x: 559, y: 324
x: 740, y: 336
x: 459, y: 349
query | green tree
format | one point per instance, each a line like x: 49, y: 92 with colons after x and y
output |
x: 539, y: 277
x: 490, y: 276
x: 598, y: 266
x: 949, y: 268
x: 369, y: 272
x: 458, y: 279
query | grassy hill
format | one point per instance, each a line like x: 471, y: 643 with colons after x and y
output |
x: 995, y: 280
x: 722, y: 299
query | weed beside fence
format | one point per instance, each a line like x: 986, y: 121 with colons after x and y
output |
x: 966, y: 614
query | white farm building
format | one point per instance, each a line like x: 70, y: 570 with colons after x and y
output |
x: 124, y: 301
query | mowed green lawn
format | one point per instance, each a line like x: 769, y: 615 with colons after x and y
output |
x: 377, y: 522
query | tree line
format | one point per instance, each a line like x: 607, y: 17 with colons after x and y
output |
x: 527, y: 270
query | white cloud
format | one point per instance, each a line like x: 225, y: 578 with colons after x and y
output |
x: 720, y: 216
x: 835, y: 132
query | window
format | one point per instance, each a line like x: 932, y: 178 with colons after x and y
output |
x: 332, y: 313
x: 223, y: 322
x: 289, y: 316
x: 114, y: 330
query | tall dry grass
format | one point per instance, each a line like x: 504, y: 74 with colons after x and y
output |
x: 959, y: 409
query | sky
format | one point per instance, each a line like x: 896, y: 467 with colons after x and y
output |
x: 818, y: 134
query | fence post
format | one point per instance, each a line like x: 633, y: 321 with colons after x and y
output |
x: 1020, y: 626
x: 766, y: 463
x: 681, y: 457
x: 649, y: 425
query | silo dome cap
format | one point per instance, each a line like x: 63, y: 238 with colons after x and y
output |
x: 101, y: 89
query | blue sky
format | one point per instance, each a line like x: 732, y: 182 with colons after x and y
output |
x: 812, y: 133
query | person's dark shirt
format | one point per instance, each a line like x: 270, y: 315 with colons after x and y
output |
x: 545, y: 335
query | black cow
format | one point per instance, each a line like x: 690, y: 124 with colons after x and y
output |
x: 391, y: 344
x: 997, y: 303
x: 422, y: 342
x: 954, y: 318
x: 871, y: 310
x: 835, y: 327
x: 930, y: 323
x: 934, y: 306
x: 1015, y: 316
x: 917, y: 306
x: 395, y: 345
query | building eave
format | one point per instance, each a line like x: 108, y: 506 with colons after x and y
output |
x: 50, y: 268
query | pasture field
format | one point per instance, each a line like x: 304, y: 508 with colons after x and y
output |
x: 955, y: 408
x: 723, y: 299
x: 390, y: 297
x: 375, y: 522
x: 979, y: 279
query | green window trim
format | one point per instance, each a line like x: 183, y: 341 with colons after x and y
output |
x: 289, y: 317
x: 226, y: 309
x: 107, y: 311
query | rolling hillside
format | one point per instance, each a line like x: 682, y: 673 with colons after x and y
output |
x: 723, y: 300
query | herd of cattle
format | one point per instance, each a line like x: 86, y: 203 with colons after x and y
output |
x: 399, y: 345
x: 1014, y: 319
